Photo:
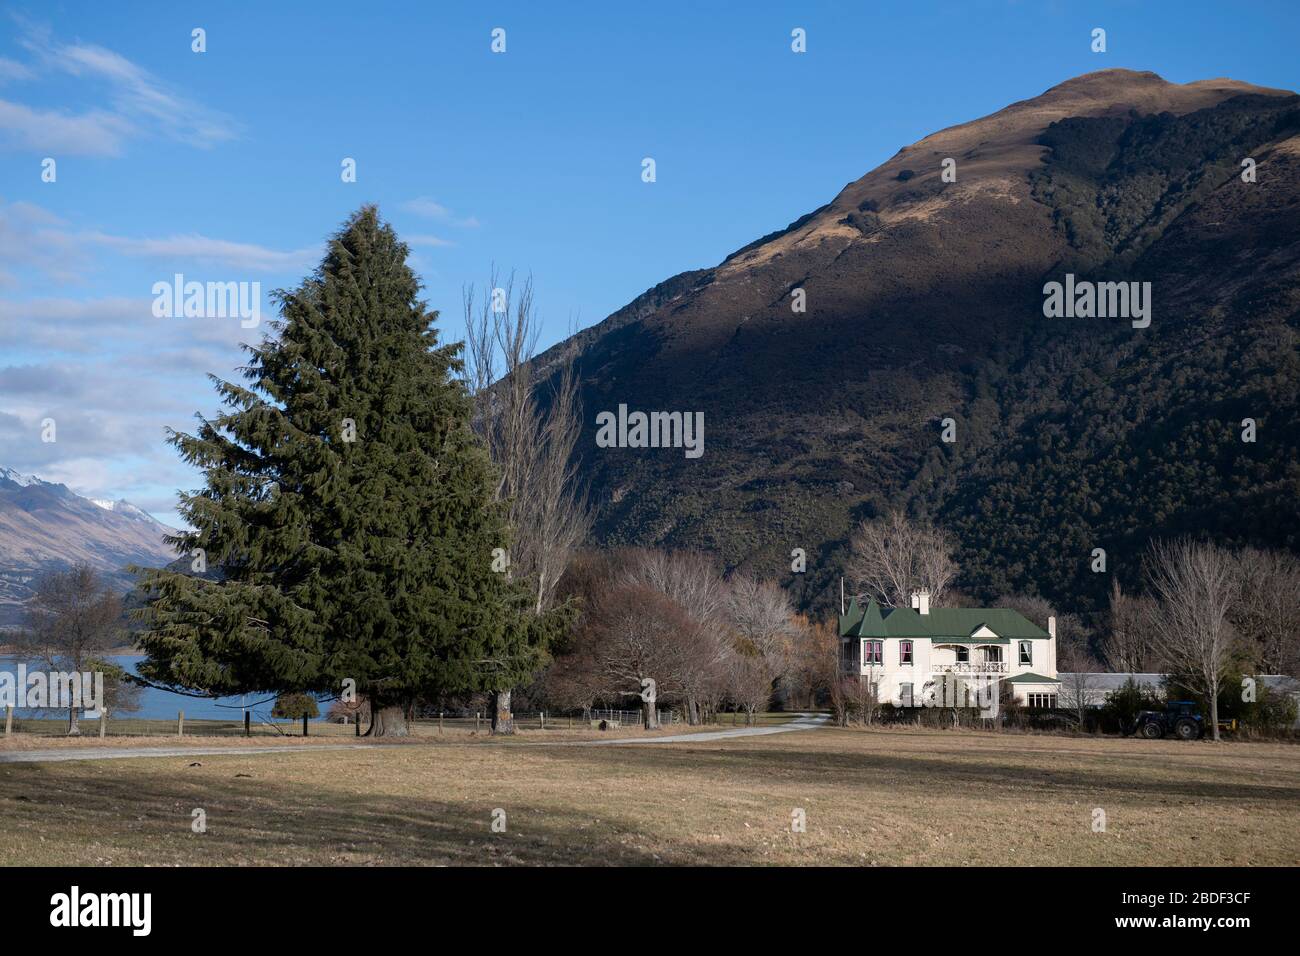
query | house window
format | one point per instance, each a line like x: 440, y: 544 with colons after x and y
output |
x: 1026, y: 653
x: 993, y: 655
x: 873, y: 652
x: 905, y: 694
x: 963, y: 654
x: 1041, y: 700
x: 905, y: 653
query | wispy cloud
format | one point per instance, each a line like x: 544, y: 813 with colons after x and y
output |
x: 40, y: 245
x: 432, y: 209
x: 426, y: 240
x: 223, y: 252
x: 137, y: 102
x: 13, y: 70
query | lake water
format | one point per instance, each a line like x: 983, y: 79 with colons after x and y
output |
x: 163, y: 705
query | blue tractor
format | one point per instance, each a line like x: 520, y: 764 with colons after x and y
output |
x: 1180, y: 718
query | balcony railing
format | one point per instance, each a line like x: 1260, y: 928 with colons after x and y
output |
x: 974, y: 667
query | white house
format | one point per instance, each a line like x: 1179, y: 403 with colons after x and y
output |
x: 905, y: 651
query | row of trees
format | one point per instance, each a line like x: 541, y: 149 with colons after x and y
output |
x: 669, y: 628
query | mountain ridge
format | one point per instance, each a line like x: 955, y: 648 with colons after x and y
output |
x: 924, y: 302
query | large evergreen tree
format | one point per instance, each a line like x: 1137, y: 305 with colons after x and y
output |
x: 348, y: 508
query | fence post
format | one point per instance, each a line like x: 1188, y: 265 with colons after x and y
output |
x: 476, y: 716
x: 439, y: 721
x: 304, y: 724
x: 570, y: 721
x: 9, y: 719
x: 103, y: 719
x: 248, y: 724
x: 356, y: 724
x: 543, y: 717
x: 180, y: 723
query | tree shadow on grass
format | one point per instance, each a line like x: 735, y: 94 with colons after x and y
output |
x: 937, y: 771
x: 256, y: 820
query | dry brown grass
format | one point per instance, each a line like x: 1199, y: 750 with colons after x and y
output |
x: 871, y: 797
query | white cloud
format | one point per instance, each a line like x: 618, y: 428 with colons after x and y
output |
x: 425, y: 240
x: 431, y: 209
x: 424, y: 206
x: 13, y: 70
x: 137, y: 103
x: 46, y: 246
x: 96, y: 133
x: 236, y: 255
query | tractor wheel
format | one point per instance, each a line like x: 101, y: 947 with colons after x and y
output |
x: 1186, y: 729
x: 1152, y: 730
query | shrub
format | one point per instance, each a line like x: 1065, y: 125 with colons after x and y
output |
x: 295, y: 706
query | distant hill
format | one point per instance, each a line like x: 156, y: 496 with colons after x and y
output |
x: 925, y: 302
x: 44, y: 526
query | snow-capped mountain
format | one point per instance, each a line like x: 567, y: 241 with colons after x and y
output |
x: 45, y: 525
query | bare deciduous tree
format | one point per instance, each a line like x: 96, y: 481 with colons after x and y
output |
x: 764, y: 626
x: 72, y: 620
x: 749, y: 683
x: 632, y: 635
x: 896, y: 555
x: 814, y: 661
x: 690, y: 580
x: 1079, y: 687
x: 1127, y: 644
x: 727, y: 640
x: 1195, y: 586
x: 531, y: 436
x: 1267, y: 614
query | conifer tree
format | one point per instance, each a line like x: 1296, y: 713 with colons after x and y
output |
x: 348, y: 508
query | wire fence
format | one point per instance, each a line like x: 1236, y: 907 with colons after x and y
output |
x: 260, y: 723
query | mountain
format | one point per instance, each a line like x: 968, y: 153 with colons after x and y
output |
x: 44, y: 526
x: 925, y: 302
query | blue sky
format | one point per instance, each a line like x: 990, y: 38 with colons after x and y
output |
x: 224, y: 165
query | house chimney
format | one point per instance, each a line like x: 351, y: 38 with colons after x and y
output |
x: 916, y: 600
x: 1051, y: 627
x: 923, y: 602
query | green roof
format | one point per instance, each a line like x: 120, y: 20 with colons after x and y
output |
x: 951, y: 623
x: 1032, y: 679
x: 877, y: 621
x: 964, y: 621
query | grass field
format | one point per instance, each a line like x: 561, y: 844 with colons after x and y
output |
x: 870, y: 797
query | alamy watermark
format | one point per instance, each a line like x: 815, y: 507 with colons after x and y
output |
x: 1083, y: 299
x: 208, y: 300
x: 964, y: 691
x: 36, y: 690
x: 651, y: 430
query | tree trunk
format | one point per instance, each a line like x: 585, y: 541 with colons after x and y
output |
x: 388, y: 720
x: 692, y: 712
x: 1214, y: 708
x: 503, y: 721
x: 650, y: 714
x: 74, y: 730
